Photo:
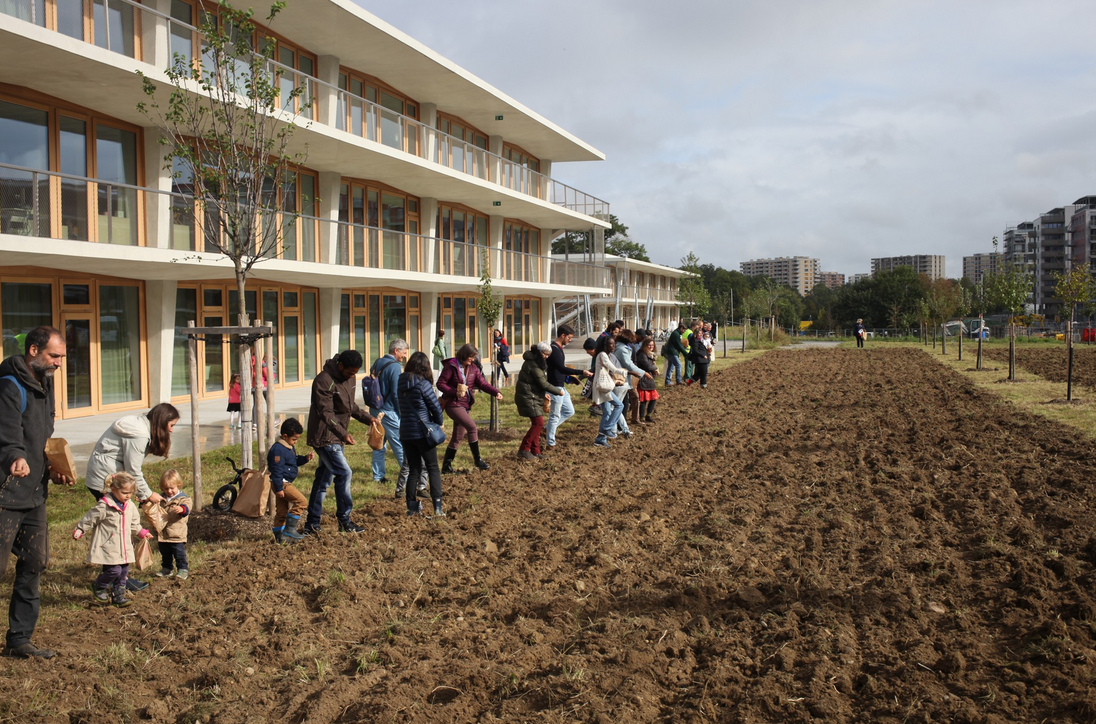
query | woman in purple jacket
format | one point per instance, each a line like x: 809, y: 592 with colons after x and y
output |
x: 458, y: 382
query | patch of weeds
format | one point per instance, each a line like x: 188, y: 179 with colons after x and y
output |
x: 367, y: 659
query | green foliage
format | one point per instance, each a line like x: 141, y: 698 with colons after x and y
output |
x: 690, y: 289
x: 490, y: 304
x: 1010, y: 286
x: 891, y: 298
x: 617, y: 242
x: 1075, y: 287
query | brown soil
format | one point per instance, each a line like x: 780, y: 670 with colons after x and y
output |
x: 1051, y: 363
x: 823, y: 535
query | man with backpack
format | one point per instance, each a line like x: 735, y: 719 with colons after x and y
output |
x: 26, y: 423
x: 379, y: 392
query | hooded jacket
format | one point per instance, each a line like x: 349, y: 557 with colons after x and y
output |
x: 417, y: 402
x: 532, y: 384
x: 23, y: 435
x: 112, y: 528
x: 333, y: 405
x: 122, y: 448
x: 450, y: 377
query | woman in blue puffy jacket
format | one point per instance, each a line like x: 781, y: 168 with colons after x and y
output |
x: 418, y: 402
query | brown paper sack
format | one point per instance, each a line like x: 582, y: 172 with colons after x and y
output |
x: 157, y: 519
x: 376, y: 434
x: 254, y: 490
x: 144, y: 554
x: 547, y: 406
x: 60, y: 458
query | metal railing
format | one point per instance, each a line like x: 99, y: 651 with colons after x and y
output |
x: 366, y: 119
x: 460, y: 155
x: 46, y: 204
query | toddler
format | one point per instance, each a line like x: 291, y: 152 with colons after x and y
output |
x: 112, y: 523
x: 172, y: 539
x: 282, y: 462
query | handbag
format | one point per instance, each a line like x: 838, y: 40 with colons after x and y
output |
x: 605, y: 381
x: 547, y: 406
x: 435, y: 433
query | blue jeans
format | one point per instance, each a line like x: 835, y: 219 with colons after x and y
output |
x: 333, y: 468
x: 619, y: 393
x: 391, y: 424
x: 610, y: 414
x: 673, y: 363
x: 562, y: 409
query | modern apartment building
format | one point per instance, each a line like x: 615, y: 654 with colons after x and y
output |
x: 798, y: 272
x: 642, y: 293
x: 831, y: 279
x: 857, y: 278
x: 931, y: 265
x: 416, y: 173
x: 976, y: 266
x: 1082, y: 233
x: 1052, y: 256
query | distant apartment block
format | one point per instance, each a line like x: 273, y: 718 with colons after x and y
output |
x: 831, y: 279
x: 857, y: 278
x: 798, y: 272
x: 931, y: 265
x: 976, y: 266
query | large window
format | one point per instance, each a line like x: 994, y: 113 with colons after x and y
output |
x: 457, y: 316
x: 464, y: 148
x: 380, y: 228
x: 110, y: 24
x: 120, y: 343
x: 24, y: 306
x: 55, y: 138
x: 520, y: 245
x: 520, y: 171
x: 372, y: 110
x: 464, y: 227
x: 369, y: 320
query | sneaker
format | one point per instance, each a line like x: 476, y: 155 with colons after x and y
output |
x: 311, y: 530
x: 27, y: 651
x: 703, y: 387
x: 688, y: 383
x: 526, y: 455
x: 164, y: 573
x: 350, y: 527
x: 601, y: 443
x: 183, y: 574
x: 649, y: 420
x: 100, y: 596
x: 627, y: 435
x: 380, y: 480
x: 400, y: 490
x: 612, y: 437
x: 118, y: 597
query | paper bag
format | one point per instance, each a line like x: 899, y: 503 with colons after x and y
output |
x: 155, y: 515
x: 376, y: 434
x: 254, y: 490
x: 144, y: 554
x: 60, y: 458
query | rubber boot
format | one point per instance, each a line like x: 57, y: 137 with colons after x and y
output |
x: 447, y: 464
x: 438, y: 512
x: 278, y: 534
x: 643, y: 411
x: 650, y: 410
x: 289, y: 533
x: 118, y: 596
x: 480, y: 462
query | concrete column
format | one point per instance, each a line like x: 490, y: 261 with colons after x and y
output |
x: 155, y: 35
x: 158, y: 206
x: 546, y: 182
x: 328, y: 203
x: 330, y: 300
x: 545, y: 250
x: 545, y: 320
x: 430, y: 325
x: 494, y: 242
x: 428, y: 113
x: 494, y: 164
x: 327, y: 97
x: 428, y: 224
x: 160, y: 322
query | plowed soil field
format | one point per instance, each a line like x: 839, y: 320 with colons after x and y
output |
x: 824, y: 535
x: 1050, y: 363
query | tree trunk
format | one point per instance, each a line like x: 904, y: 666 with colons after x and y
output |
x: 494, y: 424
x: 246, y: 402
x: 981, y: 334
x: 934, y: 335
x: 943, y: 340
x: 960, y: 340
x: 745, y: 326
x: 195, y: 456
x: 1069, y: 354
x: 1011, y: 351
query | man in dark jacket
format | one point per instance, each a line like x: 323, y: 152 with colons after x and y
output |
x: 672, y: 351
x: 26, y: 423
x: 559, y: 374
x: 333, y: 404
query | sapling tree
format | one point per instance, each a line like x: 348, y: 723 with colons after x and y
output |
x: 1010, y: 287
x: 1073, y: 288
x: 490, y: 307
x: 226, y: 125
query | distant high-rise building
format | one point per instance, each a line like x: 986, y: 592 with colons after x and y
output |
x: 931, y: 265
x: 831, y: 279
x: 857, y: 278
x: 977, y: 266
x: 798, y: 272
x: 1082, y: 233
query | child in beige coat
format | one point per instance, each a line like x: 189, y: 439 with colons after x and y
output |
x: 112, y: 524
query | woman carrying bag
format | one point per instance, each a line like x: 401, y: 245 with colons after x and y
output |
x: 420, y: 430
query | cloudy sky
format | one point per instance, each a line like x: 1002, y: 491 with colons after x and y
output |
x: 837, y: 129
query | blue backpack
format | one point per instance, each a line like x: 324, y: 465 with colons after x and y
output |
x: 371, y: 386
x: 22, y: 392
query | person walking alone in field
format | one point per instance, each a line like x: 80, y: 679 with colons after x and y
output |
x: 502, y: 355
x: 673, y: 350
x: 26, y: 422
x: 559, y: 374
x: 859, y: 332
x: 458, y: 382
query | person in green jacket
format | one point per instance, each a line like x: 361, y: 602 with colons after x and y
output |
x: 439, y: 352
x: 672, y: 351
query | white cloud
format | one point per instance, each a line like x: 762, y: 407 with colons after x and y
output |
x: 843, y: 129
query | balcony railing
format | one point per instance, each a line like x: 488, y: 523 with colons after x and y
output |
x: 46, y: 204
x: 131, y: 29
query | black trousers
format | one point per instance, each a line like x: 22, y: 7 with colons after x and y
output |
x: 700, y: 373
x: 24, y: 534
x: 173, y: 555
x: 420, y: 454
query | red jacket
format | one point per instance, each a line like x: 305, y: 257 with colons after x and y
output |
x: 450, y: 377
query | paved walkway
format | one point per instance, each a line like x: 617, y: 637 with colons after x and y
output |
x: 213, y: 432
